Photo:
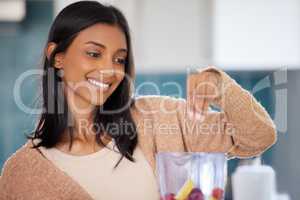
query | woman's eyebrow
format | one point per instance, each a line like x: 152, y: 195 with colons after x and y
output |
x: 96, y: 43
x: 103, y: 46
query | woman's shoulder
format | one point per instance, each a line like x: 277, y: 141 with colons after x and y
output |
x: 28, y: 175
x: 18, y: 160
x: 22, y: 172
x: 14, y: 168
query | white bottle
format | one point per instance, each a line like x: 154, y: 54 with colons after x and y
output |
x: 254, y: 182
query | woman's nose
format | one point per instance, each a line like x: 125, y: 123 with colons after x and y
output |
x: 106, y: 68
x: 106, y: 72
x: 109, y: 73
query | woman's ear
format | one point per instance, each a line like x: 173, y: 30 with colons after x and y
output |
x: 58, y: 57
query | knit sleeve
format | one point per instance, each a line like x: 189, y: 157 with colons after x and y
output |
x: 5, y: 187
x: 242, y: 129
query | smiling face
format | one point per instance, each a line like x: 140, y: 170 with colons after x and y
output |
x: 94, y: 64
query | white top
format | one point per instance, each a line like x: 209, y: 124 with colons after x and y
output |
x: 95, y: 173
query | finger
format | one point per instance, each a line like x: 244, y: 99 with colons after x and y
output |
x: 200, y: 92
x: 190, y: 96
x: 213, y: 87
x: 195, y: 104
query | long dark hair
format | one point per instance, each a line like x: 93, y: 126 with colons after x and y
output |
x: 52, y: 122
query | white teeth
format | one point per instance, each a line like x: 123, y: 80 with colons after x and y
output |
x: 98, y: 83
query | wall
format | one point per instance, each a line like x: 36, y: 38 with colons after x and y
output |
x: 20, y: 49
x: 260, y: 34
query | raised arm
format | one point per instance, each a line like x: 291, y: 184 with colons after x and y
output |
x: 248, y: 130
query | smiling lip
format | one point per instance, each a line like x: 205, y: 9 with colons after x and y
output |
x: 99, y: 84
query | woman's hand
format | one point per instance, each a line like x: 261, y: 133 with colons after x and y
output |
x: 203, y: 88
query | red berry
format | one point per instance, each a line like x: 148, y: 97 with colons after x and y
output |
x: 218, y: 193
x: 196, y: 194
x: 169, y: 196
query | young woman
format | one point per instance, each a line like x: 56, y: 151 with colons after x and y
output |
x: 94, y: 140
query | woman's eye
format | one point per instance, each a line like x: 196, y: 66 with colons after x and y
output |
x: 93, y: 54
x: 120, y: 61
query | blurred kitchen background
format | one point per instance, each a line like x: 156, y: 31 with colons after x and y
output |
x: 256, y: 41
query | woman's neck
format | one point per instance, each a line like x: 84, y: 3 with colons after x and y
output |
x: 82, y: 123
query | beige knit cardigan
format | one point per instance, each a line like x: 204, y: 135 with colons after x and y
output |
x: 241, y: 129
